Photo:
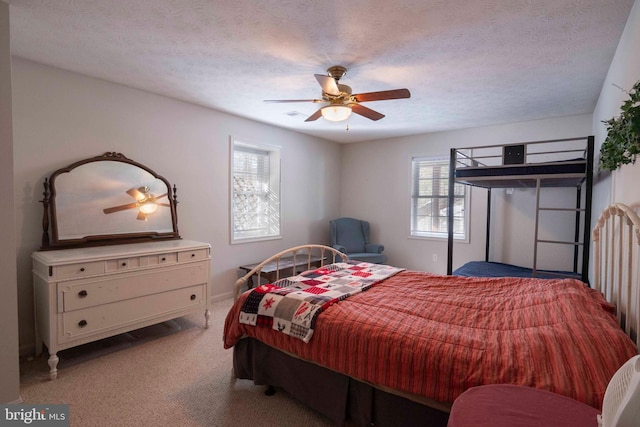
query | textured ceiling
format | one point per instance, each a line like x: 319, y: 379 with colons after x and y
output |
x: 467, y: 63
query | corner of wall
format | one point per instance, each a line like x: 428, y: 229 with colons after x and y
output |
x: 9, y: 364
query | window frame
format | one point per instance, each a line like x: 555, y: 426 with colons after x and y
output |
x: 274, y: 188
x: 413, y: 184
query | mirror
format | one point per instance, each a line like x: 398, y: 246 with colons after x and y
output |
x: 107, y: 199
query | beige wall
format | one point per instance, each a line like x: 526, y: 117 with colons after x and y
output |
x: 9, y: 371
x: 61, y: 117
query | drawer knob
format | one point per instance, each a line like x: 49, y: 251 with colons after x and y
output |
x: 124, y: 264
x: 193, y: 255
x: 82, y: 323
x: 164, y: 259
x: 82, y: 293
x: 81, y: 268
x: 193, y: 297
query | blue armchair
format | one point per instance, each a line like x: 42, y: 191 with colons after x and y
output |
x: 351, y: 236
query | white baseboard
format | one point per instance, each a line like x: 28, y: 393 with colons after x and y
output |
x: 15, y: 402
x: 221, y: 297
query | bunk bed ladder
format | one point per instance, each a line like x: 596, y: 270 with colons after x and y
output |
x: 585, y: 243
x: 576, y: 242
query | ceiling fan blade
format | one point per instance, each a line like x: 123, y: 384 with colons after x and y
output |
x: 328, y: 84
x: 366, y: 112
x: 141, y: 216
x: 119, y: 208
x: 314, y: 116
x: 292, y: 100
x: 383, y: 95
x: 136, y: 194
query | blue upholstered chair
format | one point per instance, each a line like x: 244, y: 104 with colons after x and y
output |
x: 351, y: 236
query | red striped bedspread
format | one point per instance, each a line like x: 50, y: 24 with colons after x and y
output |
x: 436, y: 336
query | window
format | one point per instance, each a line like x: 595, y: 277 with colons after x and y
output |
x: 255, y: 192
x: 430, y: 199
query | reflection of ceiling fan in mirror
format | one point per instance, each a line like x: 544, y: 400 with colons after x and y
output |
x: 146, y: 203
x: 340, y: 102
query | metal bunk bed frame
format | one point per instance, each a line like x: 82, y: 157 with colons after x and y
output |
x: 529, y: 175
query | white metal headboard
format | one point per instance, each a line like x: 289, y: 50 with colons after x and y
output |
x: 301, y: 257
x: 616, y: 242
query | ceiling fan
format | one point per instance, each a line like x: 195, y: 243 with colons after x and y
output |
x: 341, y: 102
x: 145, y: 203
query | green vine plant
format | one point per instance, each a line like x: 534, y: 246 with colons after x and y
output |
x: 622, y: 143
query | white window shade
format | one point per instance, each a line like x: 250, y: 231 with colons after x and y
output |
x: 255, y: 192
x: 430, y: 200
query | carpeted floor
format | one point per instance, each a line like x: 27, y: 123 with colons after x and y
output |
x: 172, y: 374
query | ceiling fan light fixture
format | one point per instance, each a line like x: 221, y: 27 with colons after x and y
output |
x: 148, y: 207
x: 336, y: 113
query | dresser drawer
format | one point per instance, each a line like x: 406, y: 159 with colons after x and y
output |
x: 77, y: 271
x: 87, y: 293
x: 132, y: 263
x: 95, y: 320
x: 194, y: 255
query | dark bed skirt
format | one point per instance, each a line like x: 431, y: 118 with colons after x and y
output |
x: 342, y: 399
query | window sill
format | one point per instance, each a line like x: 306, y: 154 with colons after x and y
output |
x: 254, y: 239
x: 439, y: 239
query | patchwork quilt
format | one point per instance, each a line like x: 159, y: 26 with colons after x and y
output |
x: 291, y: 305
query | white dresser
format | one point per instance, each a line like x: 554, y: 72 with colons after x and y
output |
x: 83, y: 295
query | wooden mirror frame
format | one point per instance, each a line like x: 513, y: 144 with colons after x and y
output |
x: 50, y: 218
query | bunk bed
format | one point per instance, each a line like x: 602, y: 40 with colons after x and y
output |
x: 536, y: 165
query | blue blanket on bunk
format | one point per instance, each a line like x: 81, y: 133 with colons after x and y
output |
x: 497, y: 269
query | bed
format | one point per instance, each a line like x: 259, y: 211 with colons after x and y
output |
x: 400, y: 352
x: 536, y: 165
x: 499, y: 269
